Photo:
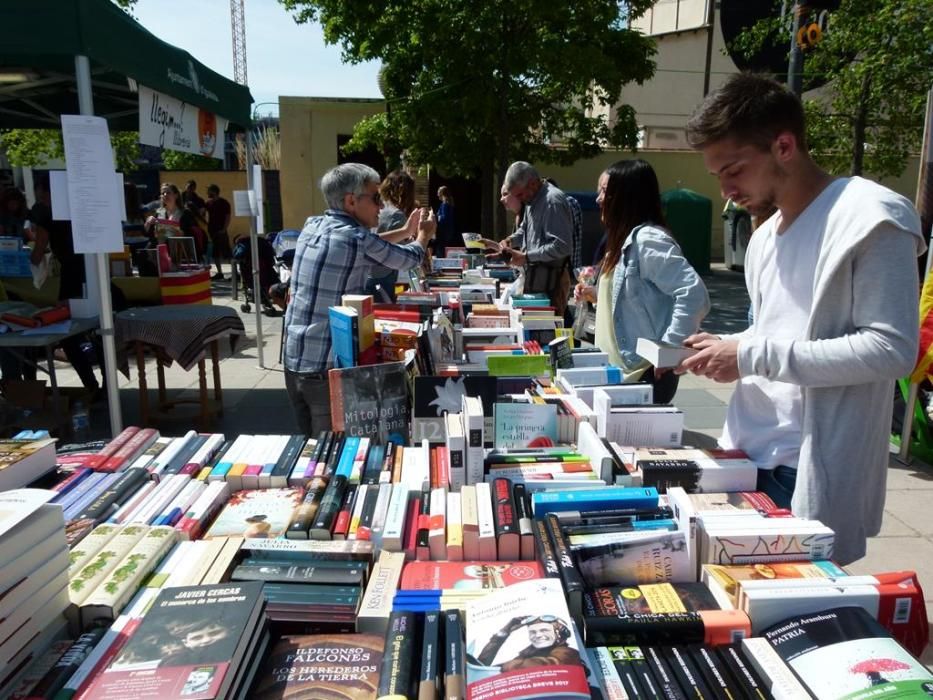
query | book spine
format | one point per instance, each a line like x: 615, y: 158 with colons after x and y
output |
x: 777, y: 675
x: 109, y: 500
x: 609, y: 678
x: 373, y: 467
x: 167, y: 457
x: 663, y: 675
x: 356, y: 512
x: 623, y: 658
x: 368, y: 512
x: 56, y: 677
x: 454, y: 527
x: 155, y: 449
x: 270, y: 459
x: 96, y: 570
x: 114, y: 592
x: 395, y: 678
x: 90, y: 545
x: 376, y: 606
x: 717, y: 677
x: 178, y: 506
x: 316, y: 573
x: 217, y: 571
x: 569, y: 574
x: 743, y: 674
x: 394, y: 530
x: 138, y: 443
x: 303, y: 470
x: 689, y: 677
x: 193, y: 522
x: 470, y: 519
x: 303, y: 518
x: 63, y: 487
x: 503, y: 514
x: 423, y: 529
x: 454, y: 676
x: 359, y: 460
x: 226, y: 460
x: 204, y: 454
x: 97, y: 461
x: 380, y: 512
x: 437, y: 528
x: 594, y: 499
x: 523, y: 514
x: 336, y: 450
x: 429, y: 678
x: 329, y: 509
x: 412, y: 524
x: 486, y: 523
x: 342, y: 521
x: 347, y: 455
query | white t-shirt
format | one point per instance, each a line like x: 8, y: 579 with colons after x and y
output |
x: 765, y: 417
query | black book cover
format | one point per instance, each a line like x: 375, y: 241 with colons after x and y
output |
x: 570, y: 575
x: 454, y: 671
x: 184, y: 455
x: 503, y: 508
x: 286, y: 462
x: 122, y: 487
x: 56, y: 677
x: 422, y: 537
x: 325, y: 442
x: 545, y: 549
x: 303, y: 518
x: 333, y: 456
x: 646, y: 682
x: 663, y: 674
x: 342, y: 523
x: 398, y: 659
x: 435, y: 396
x: 666, y: 473
x: 364, y: 530
x: 372, y: 401
x: 388, y: 461
x: 374, y: 462
x: 327, y: 511
x: 296, y: 573
x: 742, y: 672
x: 718, y: 679
x: 430, y: 677
x: 628, y: 672
x: 561, y: 353
x: 687, y: 672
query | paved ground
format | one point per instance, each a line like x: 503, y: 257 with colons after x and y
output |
x: 255, y: 401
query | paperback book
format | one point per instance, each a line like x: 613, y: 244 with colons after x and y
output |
x: 254, y: 513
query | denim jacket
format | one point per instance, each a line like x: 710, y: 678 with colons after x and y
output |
x: 656, y: 293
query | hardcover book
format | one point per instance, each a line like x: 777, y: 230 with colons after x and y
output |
x: 467, y: 576
x: 372, y: 401
x: 342, y: 666
x: 262, y: 513
x: 435, y: 396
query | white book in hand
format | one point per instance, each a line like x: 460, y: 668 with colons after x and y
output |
x: 662, y: 354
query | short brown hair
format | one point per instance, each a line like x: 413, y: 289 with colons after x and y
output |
x: 749, y: 108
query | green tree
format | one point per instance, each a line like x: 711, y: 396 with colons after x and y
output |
x: 471, y: 87
x: 179, y: 160
x: 34, y: 147
x: 876, y: 57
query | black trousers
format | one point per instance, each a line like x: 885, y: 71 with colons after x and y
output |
x: 665, y: 386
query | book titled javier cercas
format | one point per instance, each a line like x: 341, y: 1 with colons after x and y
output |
x: 525, y: 425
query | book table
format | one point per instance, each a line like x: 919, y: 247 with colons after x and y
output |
x: 183, y: 334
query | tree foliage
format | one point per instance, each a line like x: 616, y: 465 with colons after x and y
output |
x: 473, y: 86
x: 33, y: 148
x: 877, y: 58
x: 179, y: 160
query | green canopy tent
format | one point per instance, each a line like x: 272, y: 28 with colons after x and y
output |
x: 88, y: 57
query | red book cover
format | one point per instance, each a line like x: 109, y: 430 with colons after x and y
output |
x: 130, y: 449
x: 411, y: 527
x: 97, y: 461
x: 342, y: 521
x: 443, y: 466
x: 901, y: 609
x: 474, y: 575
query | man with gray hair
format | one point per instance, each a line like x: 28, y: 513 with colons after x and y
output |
x: 333, y: 257
x: 543, y: 242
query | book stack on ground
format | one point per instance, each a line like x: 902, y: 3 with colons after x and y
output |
x: 33, y: 579
x: 195, y: 641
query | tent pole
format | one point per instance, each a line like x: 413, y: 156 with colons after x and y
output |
x: 254, y: 248
x: 97, y: 272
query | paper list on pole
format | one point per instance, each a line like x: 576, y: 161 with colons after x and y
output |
x: 61, y: 205
x: 244, y: 203
x: 95, y: 203
x: 257, y: 189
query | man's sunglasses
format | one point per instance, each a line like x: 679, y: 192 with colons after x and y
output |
x: 375, y: 196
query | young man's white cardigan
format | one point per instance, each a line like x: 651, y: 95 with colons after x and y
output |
x: 862, y: 335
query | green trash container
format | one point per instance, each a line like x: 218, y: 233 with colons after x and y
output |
x: 690, y: 218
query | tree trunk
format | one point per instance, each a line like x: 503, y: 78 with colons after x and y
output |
x: 859, y: 127
x: 490, y: 210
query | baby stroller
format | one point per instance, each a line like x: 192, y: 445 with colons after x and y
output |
x: 268, y: 272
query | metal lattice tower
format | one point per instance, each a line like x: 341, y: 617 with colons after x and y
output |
x: 238, y: 30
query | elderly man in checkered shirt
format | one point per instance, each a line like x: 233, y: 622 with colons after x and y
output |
x: 333, y: 257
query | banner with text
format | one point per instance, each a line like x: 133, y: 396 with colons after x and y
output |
x: 170, y: 123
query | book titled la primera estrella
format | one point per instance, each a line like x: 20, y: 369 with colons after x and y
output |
x: 525, y: 425
x: 372, y: 401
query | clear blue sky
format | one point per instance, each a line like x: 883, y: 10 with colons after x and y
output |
x: 283, y: 58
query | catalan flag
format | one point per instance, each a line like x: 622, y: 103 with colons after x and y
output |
x: 924, y: 366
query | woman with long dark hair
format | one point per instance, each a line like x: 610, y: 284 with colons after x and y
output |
x: 646, y: 288
x: 397, y: 193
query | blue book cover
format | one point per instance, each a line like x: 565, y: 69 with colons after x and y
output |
x: 344, y: 336
x: 345, y: 465
x: 525, y: 425
x: 611, y: 497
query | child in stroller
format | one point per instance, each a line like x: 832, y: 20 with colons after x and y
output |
x: 268, y: 271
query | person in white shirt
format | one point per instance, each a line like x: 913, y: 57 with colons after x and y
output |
x: 832, y: 277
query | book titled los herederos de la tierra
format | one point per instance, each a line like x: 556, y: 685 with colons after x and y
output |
x: 321, y: 666
x: 516, y: 650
